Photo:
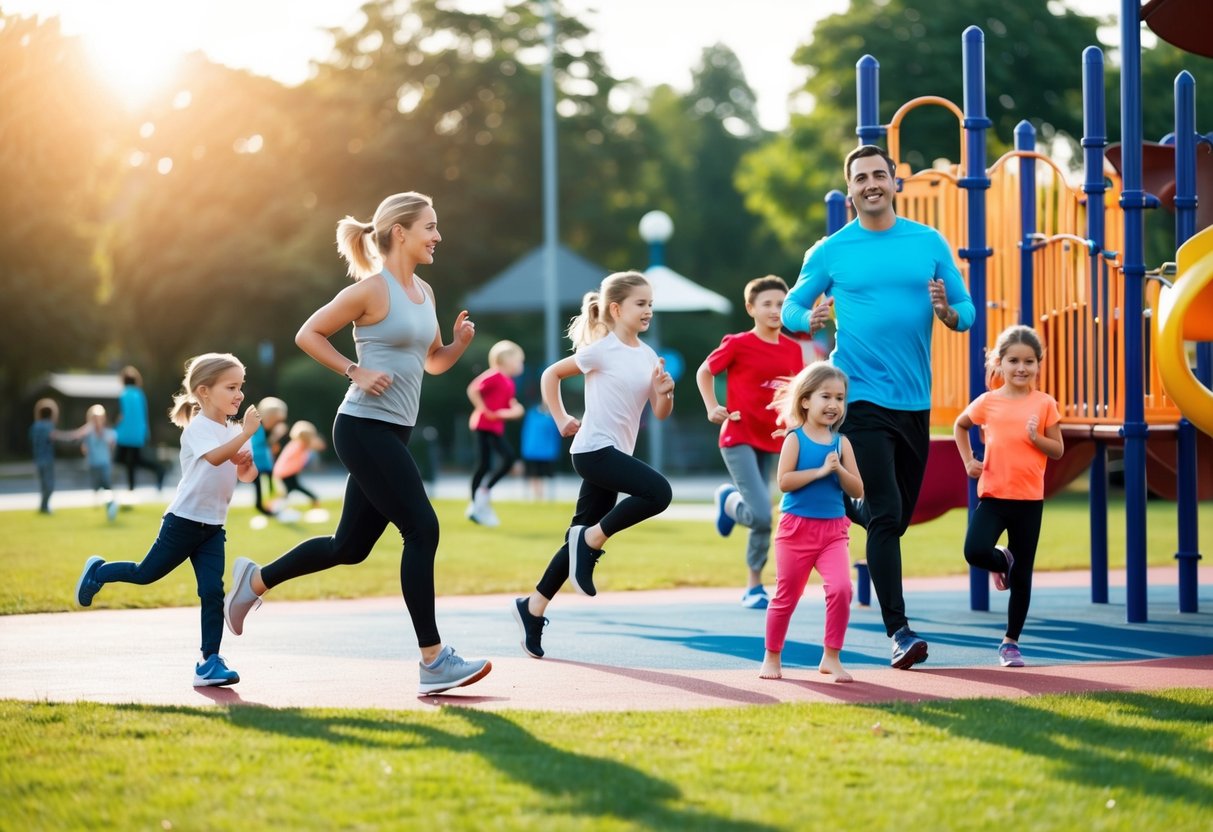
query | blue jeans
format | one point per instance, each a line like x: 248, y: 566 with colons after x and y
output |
x: 46, y: 485
x: 750, y: 470
x: 180, y: 540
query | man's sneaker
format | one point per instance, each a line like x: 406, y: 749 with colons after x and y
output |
x: 755, y: 598
x: 582, y: 560
x: 724, y: 523
x: 531, y: 627
x: 450, y: 670
x: 1009, y: 655
x: 87, y: 586
x: 241, y: 600
x: 1001, y: 578
x: 908, y: 649
x: 214, y: 672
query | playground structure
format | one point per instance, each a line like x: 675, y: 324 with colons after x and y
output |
x: 1067, y: 261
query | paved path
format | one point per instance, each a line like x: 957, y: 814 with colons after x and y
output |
x: 620, y: 651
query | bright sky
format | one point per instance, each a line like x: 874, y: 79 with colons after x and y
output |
x: 654, y: 41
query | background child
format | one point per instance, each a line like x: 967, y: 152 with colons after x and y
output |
x: 266, y: 444
x: 98, y: 449
x: 133, y: 430
x: 757, y: 362
x: 214, y: 454
x: 492, y: 396
x: 622, y: 375
x: 42, y: 437
x: 816, y: 465
x: 1021, y: 428
x: 541, y: 444
x: 295, y: 456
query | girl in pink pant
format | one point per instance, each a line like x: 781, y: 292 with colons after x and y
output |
x: 816, y: 465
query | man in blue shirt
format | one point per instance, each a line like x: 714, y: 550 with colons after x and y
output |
x: 886, y: 278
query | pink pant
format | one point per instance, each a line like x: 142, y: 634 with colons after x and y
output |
x: 800, y: 545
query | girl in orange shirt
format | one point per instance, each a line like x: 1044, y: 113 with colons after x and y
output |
x: 1021, y: 428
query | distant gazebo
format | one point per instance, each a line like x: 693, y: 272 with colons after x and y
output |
x: 519, y: 288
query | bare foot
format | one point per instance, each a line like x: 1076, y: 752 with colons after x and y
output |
x: 772, y: 668
x: 831, y: 666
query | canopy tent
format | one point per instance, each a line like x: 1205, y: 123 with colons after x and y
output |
x: 674, y: 293
x: 519, y: 288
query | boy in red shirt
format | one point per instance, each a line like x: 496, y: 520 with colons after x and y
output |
x: 758, y: 362
x: 493, y: 401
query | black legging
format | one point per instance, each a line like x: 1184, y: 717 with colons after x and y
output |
x: 891, y: 449
x: 1020, y: 519
x: 488, y: 444
x: 292, y: 483
x: 605, y: 474
x: 384, y: 486
x: 134, y: 458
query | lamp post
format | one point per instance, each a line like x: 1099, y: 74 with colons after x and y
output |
x: 656, y: 228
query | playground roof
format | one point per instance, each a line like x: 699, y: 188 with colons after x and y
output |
x: 519, y: 288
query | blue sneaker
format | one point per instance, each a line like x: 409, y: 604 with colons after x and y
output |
x: 582, y: 560
x: 724, y: 523
x: 756, y: 598
x: 450, y: 670
x: 214, y: 672
x: 88, y: 586
x: 908, y: 649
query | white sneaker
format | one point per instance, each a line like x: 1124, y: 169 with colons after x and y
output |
x: 488, y: 517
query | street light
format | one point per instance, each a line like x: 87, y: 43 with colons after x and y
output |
x: 656, y: 228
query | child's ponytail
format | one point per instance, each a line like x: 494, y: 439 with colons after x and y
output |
x: 588, y: 326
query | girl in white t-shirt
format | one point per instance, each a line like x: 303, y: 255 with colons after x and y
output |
x: 214, y: 454
x: 622, y: 375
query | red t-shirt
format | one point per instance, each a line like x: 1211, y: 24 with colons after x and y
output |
x: 756, y: 369
x: 497, y: 391
x: 1014, y: 468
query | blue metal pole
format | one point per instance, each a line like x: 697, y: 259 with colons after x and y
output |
x: 1188, y: 551
x: 1133, y: 202
x: 551, y: 306
x: 1094, y: 140
x: 836, y: 211
x: 867, y: 93
x: 976, y: 182
x: 1025, y: 139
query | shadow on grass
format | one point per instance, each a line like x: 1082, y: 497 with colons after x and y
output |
x: 1088, y: 749
x: 570, y: 782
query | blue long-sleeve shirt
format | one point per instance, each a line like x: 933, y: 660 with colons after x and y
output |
x: 882, y: 307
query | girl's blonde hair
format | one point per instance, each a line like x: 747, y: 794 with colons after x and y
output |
x: 200, y: 371
x: 303, y: 430
x: 789, y: 399
x: 1010, y: 336
x: 501, y: 351
x: 271, y: 406
x: 96, y: 410
x: 364, y: 244
x: 595, y: 320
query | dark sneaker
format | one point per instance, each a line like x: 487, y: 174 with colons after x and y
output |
x: 908, y: 649
x: 756, y: 598
x: 214, y: 672
x: 450, y: 670
x: 1001, y: 578
x: 1009, y: 655
x: 531, y: 627
x: 87, y: 586
x: 857, y: 511
x: 241, y: 600
x: 582, y: 560
x: 724, y: 523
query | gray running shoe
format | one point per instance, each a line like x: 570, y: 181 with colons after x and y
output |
x: 241, y: 600
x: 451, y: 670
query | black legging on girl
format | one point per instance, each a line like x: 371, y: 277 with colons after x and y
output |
x: 384, y: 486
x: 606, y: 473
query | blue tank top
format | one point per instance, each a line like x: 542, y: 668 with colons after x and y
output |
x: 398, y: 345
x: 822, y: 498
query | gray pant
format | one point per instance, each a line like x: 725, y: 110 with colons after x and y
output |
x: 749, y: 469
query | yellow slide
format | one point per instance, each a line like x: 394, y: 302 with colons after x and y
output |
x: 1185, y: 313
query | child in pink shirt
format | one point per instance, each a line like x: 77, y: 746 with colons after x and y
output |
x: 492, y: 396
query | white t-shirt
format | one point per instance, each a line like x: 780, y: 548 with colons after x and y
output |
x: 205, y: 490
x: 618, y: 379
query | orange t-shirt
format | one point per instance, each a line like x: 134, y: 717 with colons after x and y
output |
x: 1014, y: 468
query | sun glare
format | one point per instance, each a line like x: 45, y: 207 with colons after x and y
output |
x: 136, y: 45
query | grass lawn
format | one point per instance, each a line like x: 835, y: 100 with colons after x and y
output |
x: 43, y: 555
x: 1101, y: 761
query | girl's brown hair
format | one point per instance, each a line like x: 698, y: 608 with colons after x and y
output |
x: 1010, y: 336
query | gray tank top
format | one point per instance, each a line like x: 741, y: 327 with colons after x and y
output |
x: 398, y: 345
